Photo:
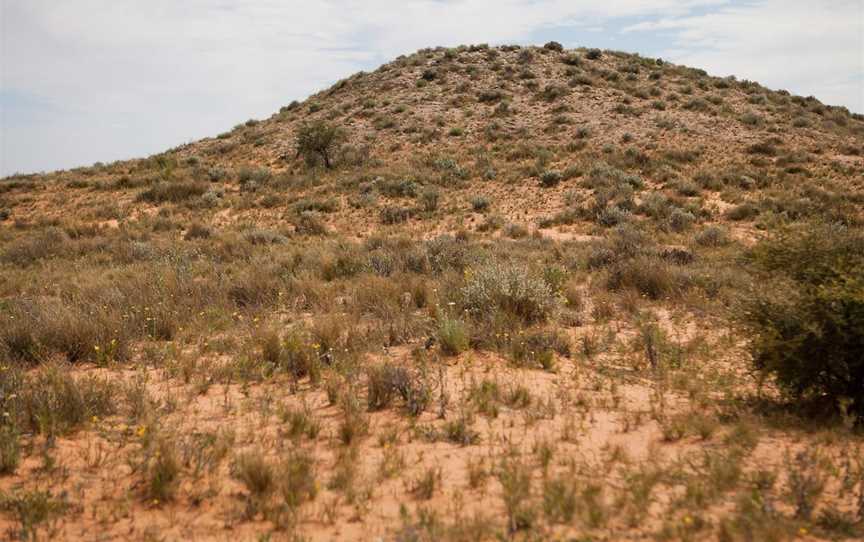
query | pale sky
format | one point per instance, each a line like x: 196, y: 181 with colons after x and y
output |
x: 100, y: 80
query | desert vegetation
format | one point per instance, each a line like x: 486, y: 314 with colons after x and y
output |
x: 482, y: 293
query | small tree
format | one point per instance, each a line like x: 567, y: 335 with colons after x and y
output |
x: 318, y: 140
x: 807, y: 329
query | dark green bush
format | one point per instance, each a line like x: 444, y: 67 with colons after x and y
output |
x: 807, y: 330
x: 550, y: 178
x: 318, y: 141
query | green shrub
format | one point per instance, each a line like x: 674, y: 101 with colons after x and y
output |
x: 515, y: 231
x: 318, y: 141
x: 313, y: 205
x: 480, y: 204
x: 550, y: 178
x: 650, y: 276
x: 452, y: 335
x: 254, y: 472
x: 32, y: 509
x: 429, y: 198
x: 163, y: 471
x: 216, y: 174
x: 712, y: 236
x: 173, y: 192
x: 386, y: 381
x: 553, y: 92
x: 538, y: 349
x: 571, y: 59
x: 10, y: 450
x: 257, y: 175
x: 395, y: 215
x: 680, y: 220
x: 511, y: 288
x: 48, y: 243
x: 405, y: 188
x: 197, y: 231
x: 744, y: 211
x: 51, y: 402
x: 309, y: 223
x: 807, y: 331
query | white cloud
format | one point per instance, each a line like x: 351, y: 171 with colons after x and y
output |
x: 124, y: 77
x: 806, y: 46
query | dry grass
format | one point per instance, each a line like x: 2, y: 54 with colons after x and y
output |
x: 513, y: 316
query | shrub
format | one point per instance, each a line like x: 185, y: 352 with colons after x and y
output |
x: 52, y: 402
x: 593, y: 54
x: 395, y: 215
x: 687, y: 188
x: 309, y: 223
x: 163, y: 472
x: 490, y: 96
x: 515, y: 231
x: 318, y: 141
x: 650, y: 276
x: 31, y: 509
x: 553, y: 92
x: 480, y: 204
x: 257, y: 175
x: 539, y: 349
x: 554, y: 46
x: 429, y: 199
x: 744, y: 211
x: 173, y: 192
x: 197, y: 231
x: 405, y: 188
x: 216, y: 174
x: 385, y: 382
x: 264, y: 237
x: 712, y: 236
x: 571, y: 59
x: 681, y: 220
x: 808, y: 329
x: 10, y: 450
x: 295, y: 479
x: 48, y: 243
x: 510, y: 288
x: 550, y: 178
x: 254, y: 472
x: 515, y: 479
x: 611, y: 216
x: 294, y: 354
x: 453, y: 336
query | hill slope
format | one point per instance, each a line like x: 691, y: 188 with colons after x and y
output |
x: 480, y: 292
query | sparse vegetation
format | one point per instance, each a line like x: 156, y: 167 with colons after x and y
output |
x: 483, y: 293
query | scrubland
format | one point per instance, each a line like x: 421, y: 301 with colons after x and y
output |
x: 481, y: 293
